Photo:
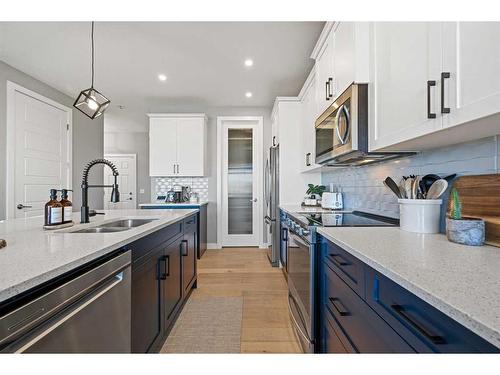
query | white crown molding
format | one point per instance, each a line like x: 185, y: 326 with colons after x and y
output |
x: 322, y: 38
x: 176, y: 115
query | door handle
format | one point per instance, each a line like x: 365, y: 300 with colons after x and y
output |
x: 253, y: 200
x: 166, y: 267
x: 400, y: 310
x: 339, y: 306
x: 429, y: 85
x: 444, y: 75
x: 174, y: 168
x: 177, y: 168
x: 341, y: 262
x: 184, y: 248
x: 327, y: 90
x: 20, y: 206
x: 330, y: 87
x: 308, y: 159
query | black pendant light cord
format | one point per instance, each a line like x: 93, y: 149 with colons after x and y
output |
x: 92, y: 40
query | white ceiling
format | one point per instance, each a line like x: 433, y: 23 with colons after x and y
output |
x: 202, y: 60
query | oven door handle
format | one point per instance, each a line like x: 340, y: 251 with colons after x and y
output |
x: 294, y: 321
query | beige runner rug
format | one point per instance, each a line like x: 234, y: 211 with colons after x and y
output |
x: 207, y: 325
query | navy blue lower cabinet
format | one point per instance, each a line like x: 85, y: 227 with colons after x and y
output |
x: 424, y: 327
x: 356, y: 326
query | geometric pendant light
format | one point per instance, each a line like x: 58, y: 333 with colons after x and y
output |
x: 90, y: 101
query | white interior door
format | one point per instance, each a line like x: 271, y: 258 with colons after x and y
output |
x: 241, y: 176
x: 39, y: 151
x: 127, y: 181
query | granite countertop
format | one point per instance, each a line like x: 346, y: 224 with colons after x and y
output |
x: 461, y: 281
x: 166, y: 205
x: 34, y: 255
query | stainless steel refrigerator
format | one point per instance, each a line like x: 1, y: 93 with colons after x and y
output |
x: 272, y: 206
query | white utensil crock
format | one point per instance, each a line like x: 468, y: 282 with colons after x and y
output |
x: 420, y: 215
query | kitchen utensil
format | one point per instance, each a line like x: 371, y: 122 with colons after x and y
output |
x: 427, y: 182
x: 391, y: 184
x: 402, y: 190
x: 450, y: 177
x: 437, y: 189
x: 408, y: 188
x: 420, y: 194
x: 414, y: 188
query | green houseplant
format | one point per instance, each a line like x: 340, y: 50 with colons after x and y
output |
x: 314, y: 190
x: 466, y: 231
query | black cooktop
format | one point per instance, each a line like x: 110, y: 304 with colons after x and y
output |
x: 350, y: 219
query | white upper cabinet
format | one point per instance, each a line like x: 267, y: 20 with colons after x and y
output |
x: 309, y: 110
x: 405, y: 73
x: 323, y: 55
x: 177, y: 145
x: 472, y: 57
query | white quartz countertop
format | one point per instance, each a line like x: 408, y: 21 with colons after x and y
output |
x: 461, y: 281
x: 174, y: 205
x: 297, y: 208
x: 34, y: 255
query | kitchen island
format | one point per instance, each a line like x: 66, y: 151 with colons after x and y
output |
x: 119, y: 281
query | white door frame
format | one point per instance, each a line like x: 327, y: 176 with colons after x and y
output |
x: 133, y: 156
x: 259, y: 162
x: 11, y: 141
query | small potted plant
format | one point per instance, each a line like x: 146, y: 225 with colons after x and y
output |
x: 463, y: 230
x: 313, y: 194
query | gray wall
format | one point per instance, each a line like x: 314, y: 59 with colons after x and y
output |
x: 87, y: 134
x: 363, y: 188
x: 127, y: 132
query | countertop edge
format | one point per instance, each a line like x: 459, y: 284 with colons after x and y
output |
x: 167, y: 205
x: 26, y: 285
x: 468, y: 321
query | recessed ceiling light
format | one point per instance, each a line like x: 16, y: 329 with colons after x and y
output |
x: 248, y: 94
x: 249, y: 62
x: 162, y: 77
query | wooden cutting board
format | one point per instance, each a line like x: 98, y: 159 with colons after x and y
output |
x: 480, y: 197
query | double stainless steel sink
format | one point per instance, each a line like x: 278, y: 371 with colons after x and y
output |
x: 113, y: 226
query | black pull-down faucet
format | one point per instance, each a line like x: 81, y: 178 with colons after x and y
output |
x: 115, y: 194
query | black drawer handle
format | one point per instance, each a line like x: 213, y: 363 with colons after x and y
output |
x: 284, y: 234
x: 184, y: 248
x: 341, y: 262
x: 330, y: 87
x: 436, y: 339
x: 429, y: 85
x: 339, y: 306
x: 444, y: 75
x: 327, y: 90
x: 166, y: 267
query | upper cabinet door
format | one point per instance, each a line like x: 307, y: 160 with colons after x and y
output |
x: 471, y: 54
x: 344, y: 51
x: 191, y: 146
x: 325, y: 81
x: 162, y: 146
x: 404, y: 57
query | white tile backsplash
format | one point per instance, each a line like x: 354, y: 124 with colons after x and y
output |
x: 160, y: 185
x: 364, y: 190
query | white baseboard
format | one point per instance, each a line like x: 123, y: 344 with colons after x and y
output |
x: 263, y: 246
x: 214, y: 246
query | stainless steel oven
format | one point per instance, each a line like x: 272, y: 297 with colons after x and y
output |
x: 301, y: 265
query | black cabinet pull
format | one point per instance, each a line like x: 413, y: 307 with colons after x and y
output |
x: 327, y: 90
x: 436, y: 339
x: 308, y: 159
x: 165, y: 260
x: 444, y: 75
x: 341, y: 262
x: 429, y: 85
x: 330, y: 87
x: 339, y: 306
x: 284, y: 234
x: 274, y: 140
x: 184, y: 248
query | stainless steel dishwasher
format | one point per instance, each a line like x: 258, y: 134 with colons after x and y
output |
x: 87, y: 311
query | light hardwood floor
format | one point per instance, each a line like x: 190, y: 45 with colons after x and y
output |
x: 246, y: 272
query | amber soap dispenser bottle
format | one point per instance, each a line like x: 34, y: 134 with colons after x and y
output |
x: 53, y: 210
x: 67, y: 206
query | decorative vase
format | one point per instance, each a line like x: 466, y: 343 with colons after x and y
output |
x: 466, y: 231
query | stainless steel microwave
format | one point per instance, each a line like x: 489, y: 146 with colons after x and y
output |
x: 342, y: 131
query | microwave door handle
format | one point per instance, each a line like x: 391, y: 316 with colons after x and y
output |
x: 342, y: 109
